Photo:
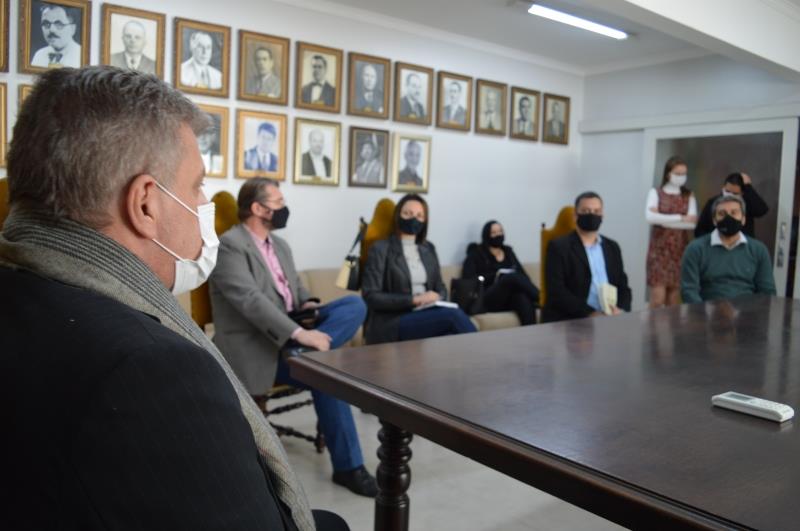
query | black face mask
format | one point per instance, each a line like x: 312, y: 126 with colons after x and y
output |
x: 279, y: 217
x: 589, y: 222
x: 728, y: 226
x: 410, y: 226
x: 496, y: 241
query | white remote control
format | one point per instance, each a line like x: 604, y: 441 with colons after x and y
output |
x: 753, y: 406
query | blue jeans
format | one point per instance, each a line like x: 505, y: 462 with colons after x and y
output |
x: 433, y: 322
x: 339, y: 319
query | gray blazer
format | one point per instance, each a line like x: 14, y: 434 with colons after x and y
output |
x: 250, y: 320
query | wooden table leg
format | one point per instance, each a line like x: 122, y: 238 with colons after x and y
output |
x: 394, y: 477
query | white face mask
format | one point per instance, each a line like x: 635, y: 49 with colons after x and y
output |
x: 677, y: 180
x: 190, y: 274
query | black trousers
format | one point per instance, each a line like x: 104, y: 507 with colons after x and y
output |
x: 515, y: 292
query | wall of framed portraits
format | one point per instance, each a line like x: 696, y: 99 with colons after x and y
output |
x: 343, y: 107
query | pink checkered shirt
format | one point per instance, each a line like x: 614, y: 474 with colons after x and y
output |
x: 267, y: 251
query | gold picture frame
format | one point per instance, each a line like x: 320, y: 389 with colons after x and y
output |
x: 206, y: 72
x: 313, y: 60
x: 36, y: 53
x: 414, y: 176
x: 555, y: 125
x: 490, y: 108
x: 369, y: 157
x: 413, y: 85
x: 325, y: 137
x: 524, y: 101
x: 265, y: 88
x: 3, y: 125
x: 117, y: 45
x: 455, y: 102
x: 23, y: 91
x: 256, y: 153
x: 363, y: 101
x: 4, y: 28
x: 213, y: 142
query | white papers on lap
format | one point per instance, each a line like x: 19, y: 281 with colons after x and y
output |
x: 506, y: 271
x: 608, y: 297
x: 440, y: 304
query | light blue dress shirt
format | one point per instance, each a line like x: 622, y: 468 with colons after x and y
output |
x: 597, y: 265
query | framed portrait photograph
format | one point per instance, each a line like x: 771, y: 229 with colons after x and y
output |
x: 413, y: 94
x: 524, y: 115
x: 369, y: 86
x: 316, y: 152
x: 260, y: 145
x: 263, y: 68
x: 555, y: 126
x: 24, y: 91
x: 53, y: 34
x: 213, y: 142
x: 455, y: 102
x: 490, y: 108
x: 202, y: 57
x: 133, y: 39
x: 3, y: 124
x: 369, y: 157
x: 411, y: 163
x: 318, y: 84
x: 4, y: 37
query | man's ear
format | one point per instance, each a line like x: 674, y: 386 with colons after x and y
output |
x: 141, y: 203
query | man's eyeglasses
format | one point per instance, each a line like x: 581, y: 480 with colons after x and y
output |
x: 46, y: 24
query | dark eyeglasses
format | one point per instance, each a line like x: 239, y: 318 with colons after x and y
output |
x: 46, y: 24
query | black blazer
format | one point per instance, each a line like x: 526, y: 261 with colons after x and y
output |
x: 308, y: 165
x: 568, y: 278
x: 386, y: 286
x: 112, y: 421
x: 327, y: 96
x: 755, y: 206
x: 481, y: 262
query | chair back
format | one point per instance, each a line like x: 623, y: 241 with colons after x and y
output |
x: 3, y: 201
x: 379, y: 228
x: 225, y: 217
x: 565, y: 223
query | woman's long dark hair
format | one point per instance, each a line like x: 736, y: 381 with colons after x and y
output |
x: 668, y: 167
x: 405, y: 199
x: 486, y: 232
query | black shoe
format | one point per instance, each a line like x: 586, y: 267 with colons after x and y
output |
x: 292, y: 349
x: 357, y: 480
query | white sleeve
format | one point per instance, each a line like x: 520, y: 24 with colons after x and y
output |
x: 692, y: 206
x: 656, y: 218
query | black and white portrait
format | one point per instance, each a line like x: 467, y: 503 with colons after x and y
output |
x: 133, y: 39
x: 414, y: 94
x: 316, y: 152
x: 58, y: 35
x: 319, y: 72
x: 556, y: 119
x: 369, y: 86
x: 261, y: 144
x: 455, y: 98
x: 411, y: 163
x: 263, y: 67
x: 369, y: 157
x: 213, y: 142
x: 524, y: 114
x: 202, y: 57
x: 491, y: 108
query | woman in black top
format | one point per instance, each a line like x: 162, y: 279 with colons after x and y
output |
x: 506, y: 285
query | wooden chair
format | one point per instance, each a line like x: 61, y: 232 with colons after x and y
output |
x: 3, y: 201
x: 225, y: 218
x: 565, y: 223
x: 379, y: 228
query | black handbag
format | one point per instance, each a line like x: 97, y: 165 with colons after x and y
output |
x: 349, y: 277
x: 468, y: 294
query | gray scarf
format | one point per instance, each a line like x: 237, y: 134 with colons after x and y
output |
x: 77, y: 255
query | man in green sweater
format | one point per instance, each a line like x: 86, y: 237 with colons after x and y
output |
x: 726, y: 263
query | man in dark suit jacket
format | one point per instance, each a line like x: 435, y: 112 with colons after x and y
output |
x: 260, y: 157
x: 411, y: 105
x: 740, y: 185
x: 315, y: 163
x: 369, y: 97
x: 579, y: 263
x: 409, y: 176
x: 319, y: 91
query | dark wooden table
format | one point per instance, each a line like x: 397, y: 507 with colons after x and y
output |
x: 610, y: 414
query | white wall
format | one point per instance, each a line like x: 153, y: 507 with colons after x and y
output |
x: 612, y: 162
x: 473, y: 177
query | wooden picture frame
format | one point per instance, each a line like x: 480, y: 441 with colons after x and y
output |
x: 23, y: 91
x: 555, y: 125
x: 3, y: 125
x: 323, y: 93
x: 490, y: 107
x: 454, y: 110
x: 123, y: 30
x: 4, y: 28
x: 412, y: 174
x: 369, y: 157
x: 260, y: 51
x: 523, y: 116
x: 43, y: 48
x: 256, y: 153
x: 322, y: 135
x: 213, y: 143
x: 413, y: 94
x: 363, y: 99
x: 201, y: 58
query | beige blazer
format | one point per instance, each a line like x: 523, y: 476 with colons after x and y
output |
x: 250, y: 320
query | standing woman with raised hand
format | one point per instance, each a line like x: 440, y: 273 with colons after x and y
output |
x: 672, y: 212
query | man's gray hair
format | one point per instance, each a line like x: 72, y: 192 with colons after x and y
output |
x: 728, y: 199
x: 196, y: 37
x: 84, y: 134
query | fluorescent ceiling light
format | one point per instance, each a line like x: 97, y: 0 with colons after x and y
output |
x: 564, y: 18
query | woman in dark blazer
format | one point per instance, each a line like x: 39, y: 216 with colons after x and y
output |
x: 506, y: 285
x: 402, y: 274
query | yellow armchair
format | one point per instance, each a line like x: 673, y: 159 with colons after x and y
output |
x: 565, y: 223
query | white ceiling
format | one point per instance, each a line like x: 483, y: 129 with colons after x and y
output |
x: 506, y: 23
